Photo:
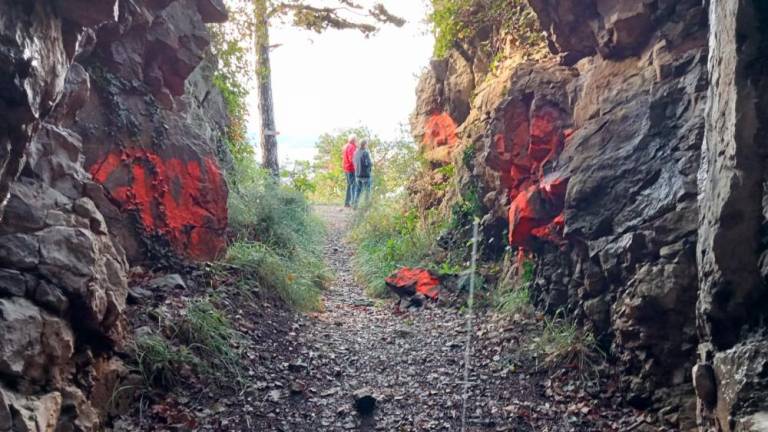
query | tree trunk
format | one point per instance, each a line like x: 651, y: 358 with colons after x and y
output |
x: 268, y: 137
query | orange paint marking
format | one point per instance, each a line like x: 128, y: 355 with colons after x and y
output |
x: 440, y: 131
x: 409, y: 281
x: 172, y: 197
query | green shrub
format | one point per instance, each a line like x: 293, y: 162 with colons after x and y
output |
x: 447, y: 24
x: 389, y: 236
x: 277, y: 240
x: 467, y: 208
x: 278, y: 216
x: 459, y: 20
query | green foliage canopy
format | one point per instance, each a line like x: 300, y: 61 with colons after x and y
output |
x: 458, y: 21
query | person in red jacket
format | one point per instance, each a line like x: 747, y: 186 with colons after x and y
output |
x: 348, y: 165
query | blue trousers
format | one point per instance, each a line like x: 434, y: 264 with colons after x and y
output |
x: 363, y: 186
x: 350, y: 198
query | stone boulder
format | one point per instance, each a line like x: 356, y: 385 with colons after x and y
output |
x: 590, y: 166
x: 83, y: 82
x: 153, y: 150
x: 35, y: 347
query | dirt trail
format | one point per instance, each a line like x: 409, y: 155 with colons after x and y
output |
x: 300, y: 371
x: 413, y: 363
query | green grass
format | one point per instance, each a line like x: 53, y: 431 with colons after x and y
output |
x: 200, y: 339
x: 298, y: 280
x: 513, y: 301
x: 159, y: 361
x: 565, y: 344
x: 277, y: 241
x: 515, y: 297
x: 389, y: 237
x: 206, y: 331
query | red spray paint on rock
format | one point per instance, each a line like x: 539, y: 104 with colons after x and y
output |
x: 184, y: 201
x: 537, y: 200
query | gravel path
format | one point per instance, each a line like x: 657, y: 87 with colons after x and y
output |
x: 413, y: 363
x: 304, y: 369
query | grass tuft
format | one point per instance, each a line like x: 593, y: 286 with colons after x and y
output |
x: 159, y: 362
x: 566, y: 345
x: 277, y: 241
x: 206, y: 331
x: 389, y: 237
x: 297, y: 280
x: 513, y: 301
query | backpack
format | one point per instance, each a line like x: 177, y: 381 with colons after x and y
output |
x: 365, y: 163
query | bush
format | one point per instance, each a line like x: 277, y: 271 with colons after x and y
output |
x: 277, y: 241
x: 390, y: 236
x: 459, y: 20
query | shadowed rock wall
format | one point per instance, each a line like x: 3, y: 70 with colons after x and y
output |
x: 731, y: 378
x: 105, y: 159
x: 591, y: 163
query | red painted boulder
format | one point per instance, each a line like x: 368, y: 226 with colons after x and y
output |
x: 537, y: 212
x: 407, y: 282
x: 181, y: 200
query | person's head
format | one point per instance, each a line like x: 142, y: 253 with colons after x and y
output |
x: 364, y: 144
x: 353, y: 139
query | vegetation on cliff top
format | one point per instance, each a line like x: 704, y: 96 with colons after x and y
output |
x: 459, y: 21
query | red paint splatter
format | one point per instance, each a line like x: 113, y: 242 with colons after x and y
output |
x: 527, y: 144
x: 440, y: 130
x: 172, y: 197
x: 409, y: 281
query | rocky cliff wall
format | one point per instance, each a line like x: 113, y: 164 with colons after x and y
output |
x: 595, y: 165
x: 109, y: 131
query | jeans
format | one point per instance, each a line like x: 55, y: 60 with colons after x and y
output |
x: 363, y: 186
x: 350, y: 198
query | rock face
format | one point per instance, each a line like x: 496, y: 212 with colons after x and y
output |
x: 596, y: 164
x: 733, y: 296
x: 109, y: 136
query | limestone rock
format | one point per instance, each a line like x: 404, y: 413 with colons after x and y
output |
x: 33, y: 413
x: 742, y: 383
x: 212, y: 11
x: 590, y: 166
x: 34, y: 346
x: 87, y: 13
x: 704, y: 384
x: 50, y: 297
x: 12, y: 283
x: 6, y: 421
x: 19, y: 251
x: 81, y: 82
x: 166, y: 283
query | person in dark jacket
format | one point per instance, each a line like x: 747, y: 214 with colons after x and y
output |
x: 363, y: 167
x: 347, y: 164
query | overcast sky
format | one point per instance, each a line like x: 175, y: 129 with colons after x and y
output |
x: 340, y: 79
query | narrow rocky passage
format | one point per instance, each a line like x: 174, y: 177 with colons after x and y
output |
x: 413, y: 364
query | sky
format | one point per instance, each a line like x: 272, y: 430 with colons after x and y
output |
x: 325, y: 82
